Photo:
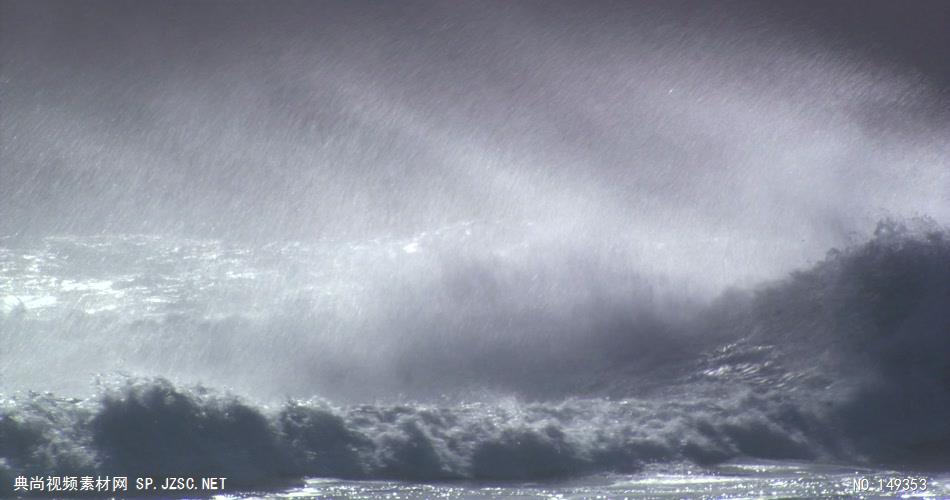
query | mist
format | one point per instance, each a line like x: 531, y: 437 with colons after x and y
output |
x: 703, y: 138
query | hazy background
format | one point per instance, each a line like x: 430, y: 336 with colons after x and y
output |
x: 729, y: 138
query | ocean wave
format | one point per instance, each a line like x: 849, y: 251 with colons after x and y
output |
x: 845, y: 361
x: 152, y: 427
x: 864, y: 333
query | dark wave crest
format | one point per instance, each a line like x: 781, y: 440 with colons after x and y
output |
x: 865, y: 334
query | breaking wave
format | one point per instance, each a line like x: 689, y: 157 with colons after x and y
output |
x: 154, y: 428
x: 845, y: 362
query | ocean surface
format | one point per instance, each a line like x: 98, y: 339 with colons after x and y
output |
x: 431, y: 366
x: 748, y: 480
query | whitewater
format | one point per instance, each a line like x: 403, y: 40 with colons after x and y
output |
x: 456, y: 385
